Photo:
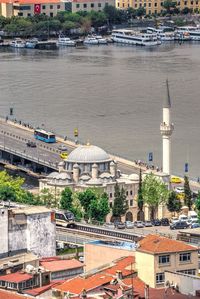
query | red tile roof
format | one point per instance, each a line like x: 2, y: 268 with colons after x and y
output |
x: 157, y: 244
x: 16, y: 277
x: 77, y: 284
x: 59, y: 265
x: 10, y: 295
x: 41, y: 290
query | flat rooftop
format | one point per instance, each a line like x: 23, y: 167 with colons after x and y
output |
x: 31, y: 210
x: 115, y: 244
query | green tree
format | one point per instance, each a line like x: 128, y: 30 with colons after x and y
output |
x: 197, y: 205
x: 99, y: 207
x: 140, y: 11
x: 77, y: 208
x: 187, y: 193
x: 173, y: 203
x: 185, y: 11
x: 140, y: 196
x: 120, y: 205
x: 67, y: 25
x: 112, y: 14
x: 169, y: 5
x: 86, y: 197
x: 46, y: 197
x: 7, y: 193
x: 66, y: 199
x: 154, y: 193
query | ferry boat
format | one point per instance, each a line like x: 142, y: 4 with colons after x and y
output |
x: 66, y: 41
x: 162, y: 34
x: 101, y: 40
x: 182, y: 36
x: 17, y: 43
x: 130, y: 37
x: 194, y: 32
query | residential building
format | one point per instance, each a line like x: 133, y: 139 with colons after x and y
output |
x: 90, y: 166
x: 18, y: 262
x: 156, y: 254
x: 62, y: 269
x: 5, y: 294
x: 27, y: 229
x: 90, y: 5
x: 27, y: 8
x: 98, y: 253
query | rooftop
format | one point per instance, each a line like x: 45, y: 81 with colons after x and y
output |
x: 115, y: 244
x: 31, y: 210
x: 157, y: 244
x: 59, y: 265
x: 17, y: 260
x: 16, y: 277
x: 38, y: 291
x: 10, y: 295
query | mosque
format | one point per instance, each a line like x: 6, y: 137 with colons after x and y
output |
x: 90, y: 166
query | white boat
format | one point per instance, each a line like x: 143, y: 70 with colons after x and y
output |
x: 91, y: 41
x: 162, y: 34
x: 182, y: 36
x: 66, y: 41
x: 17, y: 43
x: 130, y: 37
x: 101, y: 40
x: 193, y: 31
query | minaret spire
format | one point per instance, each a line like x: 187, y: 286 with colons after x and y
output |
x: 166, y: 130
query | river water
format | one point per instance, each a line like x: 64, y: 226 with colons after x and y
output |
x: 113, y: 94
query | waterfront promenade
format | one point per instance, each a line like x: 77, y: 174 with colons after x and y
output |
x: 15, y: 136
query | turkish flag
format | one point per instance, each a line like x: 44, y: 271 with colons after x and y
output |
x: 37, y: 8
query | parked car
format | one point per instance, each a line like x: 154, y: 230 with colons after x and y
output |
x: 179, y: 225
x: 175, y: 180
x: 64, y: 155
x: 173, y: 220
x: 164, y: 221
x: 195, y: 225
x: 139, y: 224
x: 121, y: 225
x: 109, y: 225
x: 183, y: 217
x: 156, y: 222
x: 129, y: 224
x: 62, y: 147
x: 31, y: 144
x: 148, y: 224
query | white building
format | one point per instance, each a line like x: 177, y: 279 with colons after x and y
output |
x: 27, y: 229
x: 90, y: 166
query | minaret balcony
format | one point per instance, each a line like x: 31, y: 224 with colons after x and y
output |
x: 166, y: 130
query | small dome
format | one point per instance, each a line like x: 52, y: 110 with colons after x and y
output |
x: 134, y: 177
x: 88, y: 154
x: 53, y: 175
x: 63, y: 176
x: 85, y: 177
x: 105, y: 175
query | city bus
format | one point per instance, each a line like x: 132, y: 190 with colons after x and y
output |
x: 44, y: 136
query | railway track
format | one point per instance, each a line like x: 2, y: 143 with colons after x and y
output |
x: 95, y: 232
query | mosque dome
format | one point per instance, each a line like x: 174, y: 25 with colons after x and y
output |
x: 88, y: 154
x: 134, y: 177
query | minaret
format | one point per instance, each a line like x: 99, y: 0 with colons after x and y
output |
x: 166, y: 130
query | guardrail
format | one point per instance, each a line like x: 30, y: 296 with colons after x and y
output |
x: 29, y: 157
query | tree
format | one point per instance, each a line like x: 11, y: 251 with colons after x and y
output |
x: 103, y: 206
x: 140, y: 196
x: 46, y: 197
x: 140, y: 11
x: 154, y: 193
x: 112, y: 14
x: 7, y: 193
x: 67, y: 25
x: 185, y: 11
x: 66, y: 199
x: 197, y: 205
x: 120, y: 205
x: 173, y: 203
x: 168, y: 5
x: 187, y: 193
x: 86, y: 197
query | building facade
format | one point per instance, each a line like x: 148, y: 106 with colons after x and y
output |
x: 90, y: 166
x: 27, y: 229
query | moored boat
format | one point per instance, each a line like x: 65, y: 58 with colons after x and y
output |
x: 194, y: 32
x: 130, y: 37
x: 30, y: 44
x: 101, y: 40
x: 17, y: 43
x: 91, y: 41
x: 66, y: 41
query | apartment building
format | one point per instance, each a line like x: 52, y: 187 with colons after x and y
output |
x: 156, y: 254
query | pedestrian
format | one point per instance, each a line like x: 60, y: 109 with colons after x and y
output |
x: 198, y: 180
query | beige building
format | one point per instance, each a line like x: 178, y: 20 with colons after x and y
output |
x: 90, y: 5
x: 90, y: 166
x: 156, y: 254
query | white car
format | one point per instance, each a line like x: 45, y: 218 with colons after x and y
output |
x: 179, y: 190
x: 129, y: 224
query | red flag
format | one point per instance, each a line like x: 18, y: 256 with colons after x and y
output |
x: 37, y: 8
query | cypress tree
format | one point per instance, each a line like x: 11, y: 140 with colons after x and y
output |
x: 187, y: 193
x: 140, y: 196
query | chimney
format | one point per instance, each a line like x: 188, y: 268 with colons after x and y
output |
x: 119, y: 274
x: 146, y: 291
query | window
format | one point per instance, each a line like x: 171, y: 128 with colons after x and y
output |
x: 185, y: 257
x: 126, y: 193
x: 28, y: 14
x: 51, y: 6
x: 92, y: 5
x: 123, y: 4
x: 136, y: 5
x: 43, y: 7
x: 140, y: 4
x: 155, y: 4
x: 197, y: 2
x: 149, y: 4
x: 85, y: 5
x: 160, y: 278
x: 144, y: 6
x: 185, y: 2
x: 128, y: 5
x: 99, y: 4
x: 131, y: 192
x: 77, y: 5
x: 190, y: 271
x: 111, y: 195
x: 20, y: 14
x: 118, y: 4
x: 131, y: 202
x: 58, y: 6
x: 111, y: 205
x: 51, y: 14
x: 161, y: 3
x: 149, y: 12
x: 164, y: 259
x: 155, y: 11
x: 192, y: 2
